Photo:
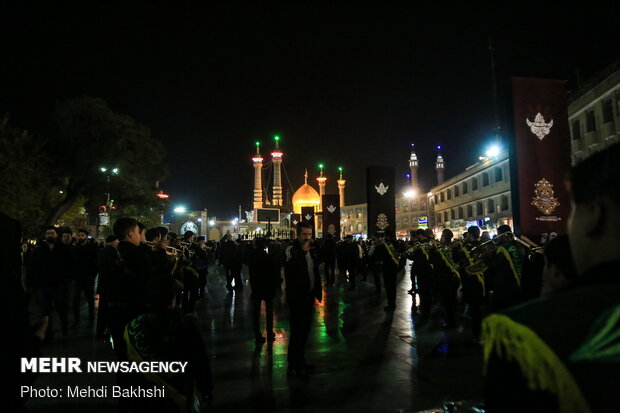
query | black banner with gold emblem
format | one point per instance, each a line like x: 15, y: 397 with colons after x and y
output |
x: 539, y: 156
x: 381, y: 196
x: 295, y: 219
x: 331, y: 216
x: 307, y: 215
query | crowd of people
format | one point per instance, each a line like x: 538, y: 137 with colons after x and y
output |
x: 148, y: 281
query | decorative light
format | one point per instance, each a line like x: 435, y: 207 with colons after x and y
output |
x: 180, y: 209
x: 199, y: 220
x: 340, y: 168
x: 115, y: 171
x: 277, y: 138
x: 212, y: 222
x: 103, y: 169
x: 162, y: 196
x: 409, y: 193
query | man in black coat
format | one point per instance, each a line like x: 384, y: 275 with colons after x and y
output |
x: 263, y: 281
x: 85, y: 272
x: 52, y: 274
x: 303, y: 286
x: 329, y: 257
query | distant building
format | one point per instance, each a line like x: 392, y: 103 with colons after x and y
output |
x: 478, y: 196
x: 594, y: 114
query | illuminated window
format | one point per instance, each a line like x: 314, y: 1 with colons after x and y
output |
x: 465, y: 188
x: 474, y: 184
x: 485, y: 179
x: 590, y: 121
x: 576, y: 129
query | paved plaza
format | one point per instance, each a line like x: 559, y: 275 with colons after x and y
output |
x: 366, y: 359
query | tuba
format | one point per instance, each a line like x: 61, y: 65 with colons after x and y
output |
x: 477, y: 254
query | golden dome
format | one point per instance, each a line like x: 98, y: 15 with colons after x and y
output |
x: 305, y: 196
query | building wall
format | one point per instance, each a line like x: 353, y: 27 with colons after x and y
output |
x: 480, y: 193
x: 409, y: 210
x: 353, y: 219
x: 594, y: 115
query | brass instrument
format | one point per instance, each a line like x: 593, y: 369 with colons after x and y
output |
x: 476, y: 256
x: 478, y: 266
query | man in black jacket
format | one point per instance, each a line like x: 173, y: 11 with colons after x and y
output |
x: 52, y: 274
x: 85, y: 272
x: 303, y: 286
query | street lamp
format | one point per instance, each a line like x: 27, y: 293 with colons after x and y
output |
x: 493, y: 151
x: 108, y: 173
x: 180, y: 209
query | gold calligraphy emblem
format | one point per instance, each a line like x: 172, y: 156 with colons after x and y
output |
x: 382, y: 221
x: 544, y: 199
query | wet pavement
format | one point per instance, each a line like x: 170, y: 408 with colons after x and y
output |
x: 366, y: 359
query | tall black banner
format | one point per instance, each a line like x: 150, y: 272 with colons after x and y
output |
x: 381, y: 196
x: 307, y: 215
x: 331, y: 216
x: 295, y: 219
x: 540, y: 156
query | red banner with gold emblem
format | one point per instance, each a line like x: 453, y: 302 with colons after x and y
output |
x: 540, y: 156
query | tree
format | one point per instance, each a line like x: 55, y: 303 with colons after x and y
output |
x: 90, y: 135
x: 26, y: 189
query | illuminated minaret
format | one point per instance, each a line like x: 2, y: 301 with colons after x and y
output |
x: 322, y: 181
x: 341, y: 183
x: 258, y: 179
x: 276, y: 157
x: 413, y: 166
x: 439, y: 165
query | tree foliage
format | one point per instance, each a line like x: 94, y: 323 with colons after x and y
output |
x: 49, y: 176
x: 90, y: 135
x: 26, y: 190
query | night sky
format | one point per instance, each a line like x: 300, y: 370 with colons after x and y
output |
x: 346, y: 85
